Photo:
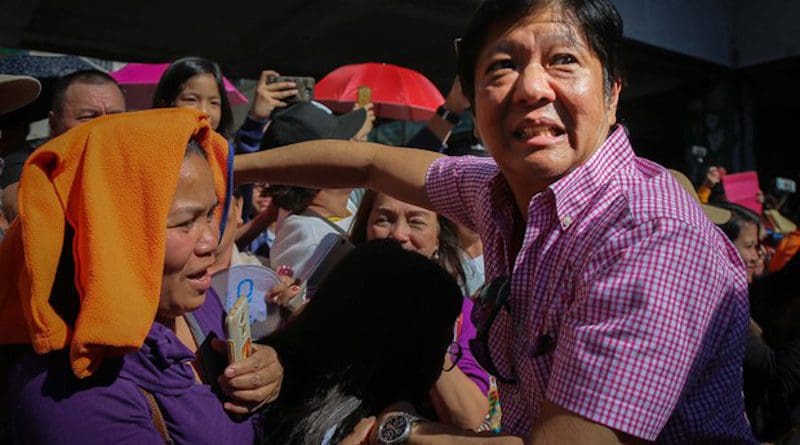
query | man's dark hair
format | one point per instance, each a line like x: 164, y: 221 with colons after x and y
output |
x: 598, y: 20
x: 89, y: 77
x: 174, y: 80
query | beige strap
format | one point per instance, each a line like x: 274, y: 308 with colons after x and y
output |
x: 155, y: 414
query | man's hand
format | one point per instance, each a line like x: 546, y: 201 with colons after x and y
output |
x: 251, y: 382
x: 269, y: 96
x: 361, y: 432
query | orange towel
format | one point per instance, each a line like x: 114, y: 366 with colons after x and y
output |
x: 112, y: 180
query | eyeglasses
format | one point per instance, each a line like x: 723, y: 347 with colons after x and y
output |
x: 489, y: 300
x: 454, y: 353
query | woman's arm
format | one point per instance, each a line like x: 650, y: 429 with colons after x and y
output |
x: 458, y: 400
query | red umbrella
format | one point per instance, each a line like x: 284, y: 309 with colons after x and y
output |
x: 397, y: 92
x: 139, y: 80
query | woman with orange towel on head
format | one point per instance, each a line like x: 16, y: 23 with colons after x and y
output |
x: 111, y: 295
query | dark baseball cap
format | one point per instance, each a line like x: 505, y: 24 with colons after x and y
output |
x: 308, y: 121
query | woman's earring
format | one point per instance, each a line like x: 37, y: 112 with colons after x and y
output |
x: 435, y: 256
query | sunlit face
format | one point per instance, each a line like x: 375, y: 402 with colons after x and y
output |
x: 415, y: 228
x: 201, y: 93
x: 84, y: 102
x: 192, y: 236
x: 539, y: 99
x: 747, y: 245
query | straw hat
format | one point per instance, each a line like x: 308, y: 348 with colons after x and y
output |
x: 17, y: 91
x: 717, y: 215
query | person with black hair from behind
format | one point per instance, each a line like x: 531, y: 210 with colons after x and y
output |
x: 772, y: 357
x: 374, y: 334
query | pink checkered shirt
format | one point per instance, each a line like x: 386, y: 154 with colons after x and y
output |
x: 645, y: 298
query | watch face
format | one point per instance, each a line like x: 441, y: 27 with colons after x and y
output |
x: 393, y: 428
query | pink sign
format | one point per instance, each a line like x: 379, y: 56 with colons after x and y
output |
x: 742, y: 188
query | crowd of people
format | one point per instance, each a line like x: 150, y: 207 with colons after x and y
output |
x: 559, y: 289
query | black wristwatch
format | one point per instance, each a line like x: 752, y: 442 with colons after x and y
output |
x: 396, y: 429
x: 448, y: 115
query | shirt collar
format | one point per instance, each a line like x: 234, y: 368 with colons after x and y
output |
x: 573, y: 192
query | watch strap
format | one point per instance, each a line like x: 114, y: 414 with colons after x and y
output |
x: 448, y: 115
x: 411, y: 420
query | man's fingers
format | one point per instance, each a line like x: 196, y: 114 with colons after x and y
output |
x: 284, y: 94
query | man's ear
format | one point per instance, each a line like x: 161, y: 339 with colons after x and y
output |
x: 613, y: 101
x: 51, y: 119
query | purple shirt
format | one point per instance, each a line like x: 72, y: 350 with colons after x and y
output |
x: 645, y: 298
x: 467, y: 364
x: 48, y: 404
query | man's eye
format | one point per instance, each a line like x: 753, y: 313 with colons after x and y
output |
x: 500, y: 65
x: 564, y: 59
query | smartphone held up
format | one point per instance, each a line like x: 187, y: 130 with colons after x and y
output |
x: 237, y: 325
x: 304, y: 86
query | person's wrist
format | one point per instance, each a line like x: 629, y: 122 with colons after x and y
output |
x: 258, y: 118
x: 453, y: 107
x: 448, y: 115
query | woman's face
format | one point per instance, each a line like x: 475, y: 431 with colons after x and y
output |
x: 192, y: 237
x: 260, y: 200
x: 747, y: 245
x: 415, y: 228
x: 201, y: 93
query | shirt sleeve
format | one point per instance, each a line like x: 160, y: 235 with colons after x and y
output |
x: 296, y: 241
x: 248, y: 137
x: 454, y: 186
x: 648, y: 310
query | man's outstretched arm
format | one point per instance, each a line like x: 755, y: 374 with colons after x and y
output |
x: 399, y: 172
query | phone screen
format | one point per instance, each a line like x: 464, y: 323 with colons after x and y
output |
x: 364, y: 95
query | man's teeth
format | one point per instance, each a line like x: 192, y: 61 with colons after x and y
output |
x: 527, y: 133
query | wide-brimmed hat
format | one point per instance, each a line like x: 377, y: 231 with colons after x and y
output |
x: 17, y: 91
x: 307, y: 121
x: 717, y: 215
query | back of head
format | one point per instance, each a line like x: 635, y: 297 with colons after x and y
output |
x: 598, y: 20
x: 174, y: 79
x: 381, y: 322
x: 88, y: 77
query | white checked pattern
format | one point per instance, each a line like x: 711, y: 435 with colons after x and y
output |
x: 645, y: 298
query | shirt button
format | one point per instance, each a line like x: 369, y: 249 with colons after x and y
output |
x: 566, y: 221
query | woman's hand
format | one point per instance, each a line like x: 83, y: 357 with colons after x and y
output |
x: 252, y: 382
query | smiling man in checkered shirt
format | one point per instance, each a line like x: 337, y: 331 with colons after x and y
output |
x: 625, y: 313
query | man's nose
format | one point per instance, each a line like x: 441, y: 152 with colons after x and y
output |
x: 533, y: 85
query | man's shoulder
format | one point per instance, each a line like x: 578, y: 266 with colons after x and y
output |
x: 649, y: 192
x: 645, y: 199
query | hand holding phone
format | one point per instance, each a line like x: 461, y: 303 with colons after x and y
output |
x: 237, y: 325
x: 304, y: 86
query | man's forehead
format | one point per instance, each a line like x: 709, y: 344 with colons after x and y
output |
x: 79, y: 90
x: 557, y: 28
